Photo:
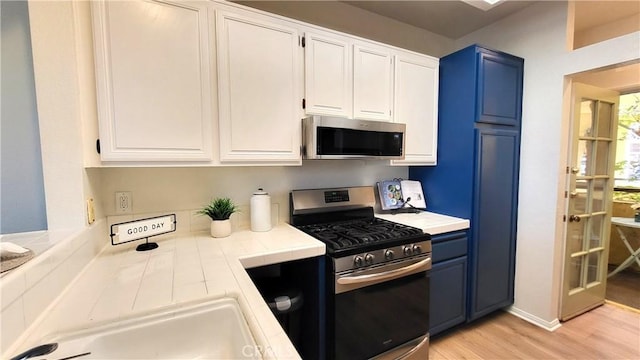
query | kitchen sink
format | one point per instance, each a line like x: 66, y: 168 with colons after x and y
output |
x: 212, y: 330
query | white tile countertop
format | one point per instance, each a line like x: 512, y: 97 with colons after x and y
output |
x: 429, y: 222
x: 121, y: 282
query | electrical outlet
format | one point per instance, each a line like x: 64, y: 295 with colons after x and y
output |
x: 123, y: 202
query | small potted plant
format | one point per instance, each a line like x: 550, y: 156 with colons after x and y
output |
x: 219, y: 210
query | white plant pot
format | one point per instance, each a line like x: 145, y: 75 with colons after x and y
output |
x: 220, y: 228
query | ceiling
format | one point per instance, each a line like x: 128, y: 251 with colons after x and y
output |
x: 623, y: 78
x: 452, y: 19
x: 456, y: 18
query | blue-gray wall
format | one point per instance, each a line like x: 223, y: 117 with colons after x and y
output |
x: 22, y: 201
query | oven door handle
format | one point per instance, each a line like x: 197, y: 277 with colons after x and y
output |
x: 409, y: 354
x: 391, y: 274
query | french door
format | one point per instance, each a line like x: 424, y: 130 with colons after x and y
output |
x: 589, y: 196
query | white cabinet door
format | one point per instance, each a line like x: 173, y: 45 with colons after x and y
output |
x: 259, y: 76
x: 416, y: 104
x: 153, y: 81
x: 372, y: 82
x: 328, y: 75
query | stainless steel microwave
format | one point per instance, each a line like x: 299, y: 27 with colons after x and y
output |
x: 340, y: 138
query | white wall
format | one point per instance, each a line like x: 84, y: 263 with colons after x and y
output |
x: 538, y: 34
x: 163, y: 189
x: 57, y: 89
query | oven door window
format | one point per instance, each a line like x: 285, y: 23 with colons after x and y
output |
x: 377, y: 318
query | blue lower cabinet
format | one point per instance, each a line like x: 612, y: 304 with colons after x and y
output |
x: 492, y: 246
x: 448, y: 295
x: 448, y: 286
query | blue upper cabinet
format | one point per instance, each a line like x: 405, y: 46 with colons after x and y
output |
x: 480, y: 106
x: 499, y: 91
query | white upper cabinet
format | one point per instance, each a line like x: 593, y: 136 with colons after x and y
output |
x: 328, y: 75
x: 372, y: 82
x: 416, y: 105
x: 259, y: 89
x: 347, y: 78
x: 153, y: 80
x: 210, y: 83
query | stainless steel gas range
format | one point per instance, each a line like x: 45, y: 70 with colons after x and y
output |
x: 377, y: 275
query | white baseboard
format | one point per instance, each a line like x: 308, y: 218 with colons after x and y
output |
x: 547, y: 325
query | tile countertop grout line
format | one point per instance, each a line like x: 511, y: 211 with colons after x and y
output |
x: 34, y: 328
x: 146, y: 265
x: 62, y: 237
x: 246, y: 294
x: 298, y: 245
x: 118, y: 255
x: 105, y: 286
x: 245, y: 304
x: 257, y: 331
x: 246, y: 300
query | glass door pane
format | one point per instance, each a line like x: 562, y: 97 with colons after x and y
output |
x: 593, y: 268
x: 586, y: 118
x: 584, y: 160
x: 602, y: 157
x: 599, y: 195
x: 596, y: 224
x: 605, y: 110
x: 575, y: 272
x: 575, y: 239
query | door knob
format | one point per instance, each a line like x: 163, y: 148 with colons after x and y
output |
x: 574, y: 170
x: 574, y: 218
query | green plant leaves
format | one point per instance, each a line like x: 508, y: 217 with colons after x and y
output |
x: 219, y: 209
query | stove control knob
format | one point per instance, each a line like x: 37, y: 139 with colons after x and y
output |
x: 417, y: 249
x: 358, y: 260
x: 368, y: 259
x: 388, y: 254
x: 408, y: 250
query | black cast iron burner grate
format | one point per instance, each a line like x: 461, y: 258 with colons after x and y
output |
x: 361, y: 234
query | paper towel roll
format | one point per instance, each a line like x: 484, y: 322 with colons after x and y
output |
x: 260, y: 211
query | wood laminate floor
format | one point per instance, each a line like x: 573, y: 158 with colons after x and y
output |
x: 624, y: 288
x: 606, y: 332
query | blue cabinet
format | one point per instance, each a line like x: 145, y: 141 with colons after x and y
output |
x: 448, y: 295
x: 494, y: 215
x: 499, y: 95
x: 480, y: 106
